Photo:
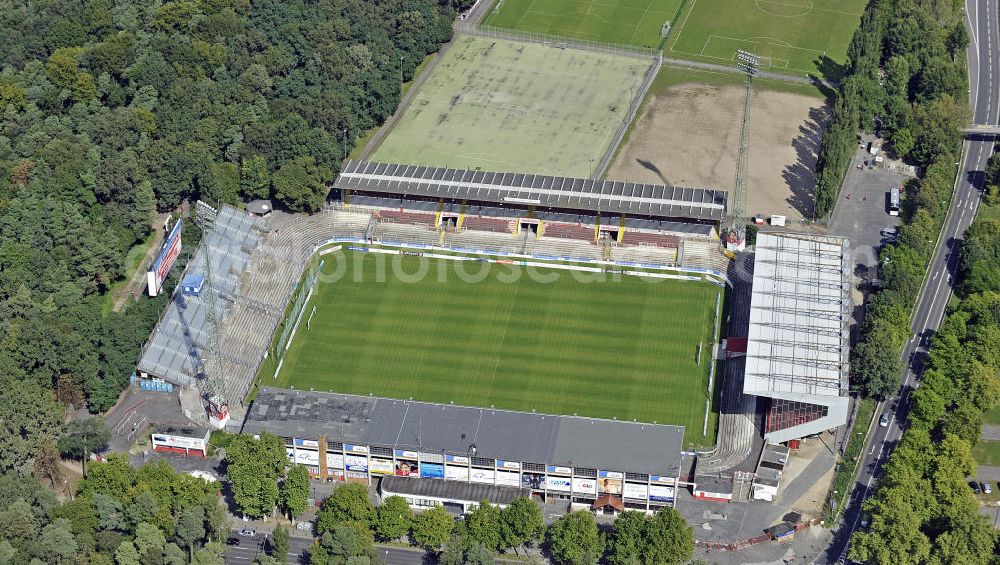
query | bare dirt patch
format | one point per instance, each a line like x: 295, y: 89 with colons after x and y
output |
x: 689, y: 134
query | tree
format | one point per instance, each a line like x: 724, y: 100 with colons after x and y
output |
x: 432, y: 528
x: 348, y: 503
x: 876, y: 364
x: 254, y: 179
x: 279, y: 544
x: 191, y: 527
x: 522, y: 523
x: 57, y: 542
x: 127, y: 554
x: 213, y: 553
x: 84, y: 437
x: 28, y: 415
x: 149, y: 538
x: 483, y: 524
x: 574, y: 540
x: 669, y: 538
x: 295, y: 491
x: 47, y: 462
x: 254, y: 467
x: 393, y: 518
x: 626, y: 542
x: 299, y: 184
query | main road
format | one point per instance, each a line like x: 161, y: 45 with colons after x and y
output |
x: 984, y: 99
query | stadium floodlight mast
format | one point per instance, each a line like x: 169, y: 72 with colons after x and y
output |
x: 737, y: 237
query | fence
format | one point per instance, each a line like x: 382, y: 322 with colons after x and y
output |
x: 633, y: 108
x: 557, y: 41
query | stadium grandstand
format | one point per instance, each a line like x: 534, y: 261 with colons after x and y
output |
x: 797, y: 345
x: 574, y: 459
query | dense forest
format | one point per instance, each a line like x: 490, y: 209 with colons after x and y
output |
x: 906, y: 78
x: 111, y: 110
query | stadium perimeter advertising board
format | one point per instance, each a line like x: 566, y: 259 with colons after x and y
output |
x: 164, y: 260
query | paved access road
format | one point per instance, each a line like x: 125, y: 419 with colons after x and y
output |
x: 250, y: 548
x: 984, y: 98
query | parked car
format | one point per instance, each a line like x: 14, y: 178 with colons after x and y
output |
x: 884, y: 420
x: 974, y: 486
x: 233, y: 541
x: 248, y: 532
x: 987, y: 489
x: 890, y: 232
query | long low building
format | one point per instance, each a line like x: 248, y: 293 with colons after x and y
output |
x: 356, y: 438
x: 537, y: 192
x: 798, y: 342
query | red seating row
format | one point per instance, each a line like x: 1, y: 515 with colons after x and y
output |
x: 568, y: 231
x: 486, y: 223
x: 649, y: 238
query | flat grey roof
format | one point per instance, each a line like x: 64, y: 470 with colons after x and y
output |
x: 444, y: 428
x: 534, y: 190
x: 799, y: 312
x: 456, y: 490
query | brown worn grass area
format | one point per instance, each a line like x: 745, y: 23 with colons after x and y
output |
x: 689, y: 134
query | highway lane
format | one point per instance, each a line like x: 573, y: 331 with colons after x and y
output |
x: 984, y: 99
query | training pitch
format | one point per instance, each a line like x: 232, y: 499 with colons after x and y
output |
x: 550, y: 340
x: 624, y: 22
x: 497, y: 105
x: 791, y: 36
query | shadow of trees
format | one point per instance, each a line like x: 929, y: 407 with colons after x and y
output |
x: 800, y: 176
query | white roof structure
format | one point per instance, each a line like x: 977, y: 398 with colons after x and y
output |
x: 797, y: 344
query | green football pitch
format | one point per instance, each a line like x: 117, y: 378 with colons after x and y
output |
x: 506, y: 106
x: 791, y: 36
x: 480, y: 334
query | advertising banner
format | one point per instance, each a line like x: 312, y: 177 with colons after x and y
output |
x: 532, y: 480
x: 634, y: 490
x: 661, y: 493
x: 432, y: 470
x: 407, y: 468
x: 355, y: 448
x: 486, y: 476
x: 462, y: 460
x: 508, y: 478
x: 557, y: 470
x: 402, y: 453
x: 335, y: 460
x: 509, y: 464
x: 179, y: 441
x: 356, y: 463
x: 609, y: 482
x: 306, y: 443
x: 307, y: 457
x: 291, y: 454
x: 584, y: 486
x: 561, y: 484
x: 662, y: 480
x: 381, y: 466
x: 454, y: 473
x: 165, y: 259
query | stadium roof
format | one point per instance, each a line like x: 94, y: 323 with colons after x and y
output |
x: 534, y: 190
x: 443, y: 428
x: 451, y: 489
x: 798, y: 336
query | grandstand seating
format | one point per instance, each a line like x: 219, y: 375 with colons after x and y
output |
x: 486, y: 223
x: 405, y: 217
x: 568, y: 248
x: 389, y: 232
x: 568, y: 231
x: 650, y: 238
x: 649, y: 255
x: 703, y: 254
x: 783, y: 414
x: 267, y: 287
x: 487, y: 242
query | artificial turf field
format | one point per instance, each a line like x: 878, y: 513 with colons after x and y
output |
x: 611, y: 349
x: 793, y: 36
x: 499, y: 105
